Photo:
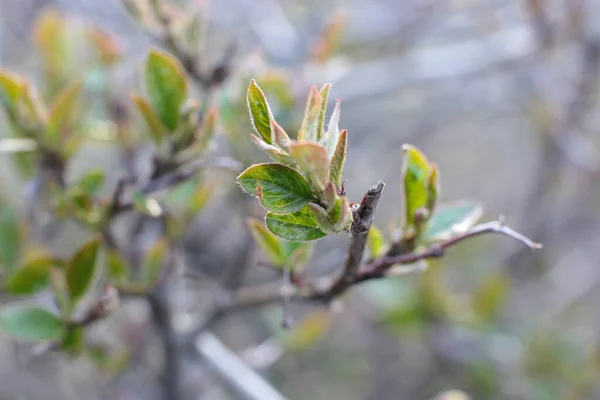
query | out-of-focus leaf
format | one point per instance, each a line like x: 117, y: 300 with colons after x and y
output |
x: 313, y: 161
x: 260, y: 112
x: 166, y: 86
x: 116, y: 266
x: 30, y: 323
x: 155, y: 260
x: 433, y: 188
x: 34, y: 110
x: 74, y: 340
x: 11, y: 89
x: 50, y: 36
x: 58, y: 283
x: 339, y: 159
x: 310, y: 124
x: 489, y: 297
x: 280, y: 189
x: 308, y: 331
x: 297, y: 253
x: 300, y: 226
x: 375, y: 242
x: 415, y: 173
x: 452, y: 219
x: 329, y: 40
x: 270, y: 244
x: 107, y: 45
x: 61, y: 109
x: 157, y: 129
x: 11, y: 238
x: 92, y: 181
x: 31, y: 277
x: 81, y: 269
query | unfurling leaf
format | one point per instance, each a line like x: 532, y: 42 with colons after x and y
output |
x: 30, y: 323
x: 31, y: 277
x: 280, y: 137
x: 280, y: 189
x: 324, y: 95
x: 452, y: 219
x: 61, y: 109
x: 375, y: 242
x: 11, y: 238
x: 166, y: 86
x: 157, y: 129
x: 333, y: 130
x: 416, y: 172
x: 270, y: 244
x: 260, y: 113
x: 339, y: 159
x: 313, y: 160
x: 300, y: 226
x: 310, y: 124
x: 81, y: 269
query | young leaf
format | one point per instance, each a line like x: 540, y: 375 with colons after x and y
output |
x: 299, y: 226
x: 375, y: 242
x: 30, y: 278
x: 81, y: 269
x: 260, y: 113
x: 268, y: 242
x: 157, y: 129
x: 11, y: 239
x: 166, y: 87
x: 324, y: 95
x: 280, y: 137
x: 313, y: 161
x: 452, y: 219
x: 415, y: 174
x: 339, y: 159
x: 30, y: 323
x: 154, y: 261
x: 310, y: 124
x: 61, y: 109
x: 92, y: 181
x: 11, y: 89
x: 280, y: 189
x: 333, y: 130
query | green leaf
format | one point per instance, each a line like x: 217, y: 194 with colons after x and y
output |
x: 313, y: 160
x: 324, y: 95
x: 376, y: 242
x: 300, y: 226
x: 155, y: 260
x: 310, y: 124
x: 339, y: 159
x: 270, y: 244
x: 92, y: 181
x: 157, y: 129
x: 29, y: 323
x: 260, y: 113
x: 11, y: 238
x: 280, y: 189
x: 62, y: 108
x: 74, y: 340
x: 452, y: 219
x: 30, y: 278
x: 116, y: 266
x: 296, y: 253
x: 331, y: 136
x: 166, y: 87
x: 11, y: 89
x: 415, y: 174
x: 81, y: 269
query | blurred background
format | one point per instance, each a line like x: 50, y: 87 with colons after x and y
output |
x: 502, y: 95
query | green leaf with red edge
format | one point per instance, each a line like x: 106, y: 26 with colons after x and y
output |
x: 338, y: 159
x: 81, y: 269
x: 260, y: 112
x: 166, y: 87
x: 279, y: 188
x: 313, y: 160
x: 30, y: 323
x: 300, y: 226
x: 309, y: 131
x: 62, y: 108
x: 157, y: 129
x: 324, y: 95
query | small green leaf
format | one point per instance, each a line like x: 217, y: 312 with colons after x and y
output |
x: 260, y: 112
x: 313, y: 160
x: 375, y: 242
x: 339, y: 159
x: 300, y: 226
x: 29, y: 323
x: 415, y: 175
x: 116, y: 266
x: 155, y: 260
x: 81, y: 269
x: 11, y: 238
x: 452, y: 219
x: 280, y: 189
x: 268, y: 242
x: 310, y: 124
x: 157, y: 129
x: 92, y: 181
x: 74, y: 340
x: 166, y: 87
x: 62, y: 108
x: 30, y: 278
x: 11, y: 89
x: 324, y: 95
